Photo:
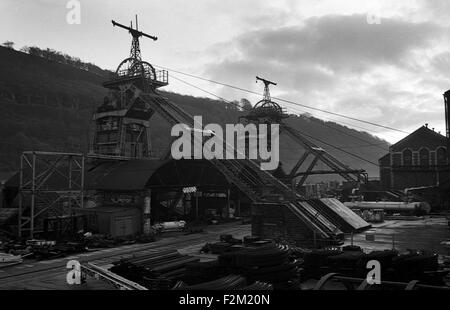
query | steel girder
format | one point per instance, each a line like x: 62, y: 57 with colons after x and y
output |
x: 50, y: 184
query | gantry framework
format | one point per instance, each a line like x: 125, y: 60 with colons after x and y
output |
x: 121, y: 123
x: 50, y: 184
x: 267, y: 110
x: 39, y: 196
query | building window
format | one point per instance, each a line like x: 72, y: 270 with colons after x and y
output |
x: 396, y: 159
x: 424, y: 157
x: 433, y: 158
x: 113, y: 137
x: 441, y: 156
x: 102, y: 138
x: 415, y: 158
x: 407, y: 158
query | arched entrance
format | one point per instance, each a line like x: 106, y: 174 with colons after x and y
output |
x: 194, y: 190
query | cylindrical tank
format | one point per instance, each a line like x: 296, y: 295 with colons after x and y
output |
x: 391, y: 206
x: 173, y: 225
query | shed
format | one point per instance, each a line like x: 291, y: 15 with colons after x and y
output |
x: 113, y: 221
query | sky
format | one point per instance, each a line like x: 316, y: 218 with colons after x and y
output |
x: 381, y: 61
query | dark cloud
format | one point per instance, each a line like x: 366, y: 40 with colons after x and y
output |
x: 336, y: 62
x: 339, y: 43
x: 322, y: 51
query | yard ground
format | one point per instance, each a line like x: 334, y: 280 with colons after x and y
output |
x: 426, y: 233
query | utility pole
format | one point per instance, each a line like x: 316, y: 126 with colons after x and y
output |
x: 447, y: 123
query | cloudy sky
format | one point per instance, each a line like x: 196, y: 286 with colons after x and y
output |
x: 385, y: 62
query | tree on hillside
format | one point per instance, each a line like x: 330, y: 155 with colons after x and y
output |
x: 9, y: 44
x: 32, y: 50
x: 25, y: 50
x: 245, y: 104
x: 53, y: 55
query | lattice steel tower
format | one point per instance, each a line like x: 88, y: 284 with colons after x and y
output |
x: 269, y: 112
x: 121, y: 123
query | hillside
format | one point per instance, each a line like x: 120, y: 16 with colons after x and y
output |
x: 45, y: 105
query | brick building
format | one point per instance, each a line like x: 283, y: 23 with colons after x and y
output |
x: 418, y: 161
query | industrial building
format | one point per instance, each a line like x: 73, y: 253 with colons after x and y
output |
x: 418, y: 160
x: 118, y: 189
x: 59, y: 204
x: 419, y: 163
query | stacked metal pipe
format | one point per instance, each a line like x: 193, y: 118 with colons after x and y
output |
x: 157, y: 270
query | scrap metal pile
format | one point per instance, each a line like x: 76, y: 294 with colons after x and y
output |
x: 352, y: 261
x: 258, y: 261
x: 41, y: 249
x: 263, y: 265
x: 269, y: 263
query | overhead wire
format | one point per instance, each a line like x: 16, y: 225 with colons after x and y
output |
x: 312, y: 137
x: 283, y: 100
x: 244, y: 108
x: 298, y: 111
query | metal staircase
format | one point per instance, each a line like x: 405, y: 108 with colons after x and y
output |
x: 258, y: 184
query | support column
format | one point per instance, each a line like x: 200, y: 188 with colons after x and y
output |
x: 238, y: 204
x: 149, y: 142
x: 69, y: 199
x: 19, y: 232
x: 227, y: 209
x: 82, y: 182
x: 147, y: 213
x: 188, y: 204
x: 33, y: 196
x: 196, y: 206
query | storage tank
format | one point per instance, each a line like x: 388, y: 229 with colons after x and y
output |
x: 391, y: 206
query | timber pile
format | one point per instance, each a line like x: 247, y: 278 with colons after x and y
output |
x: 158, y: 270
